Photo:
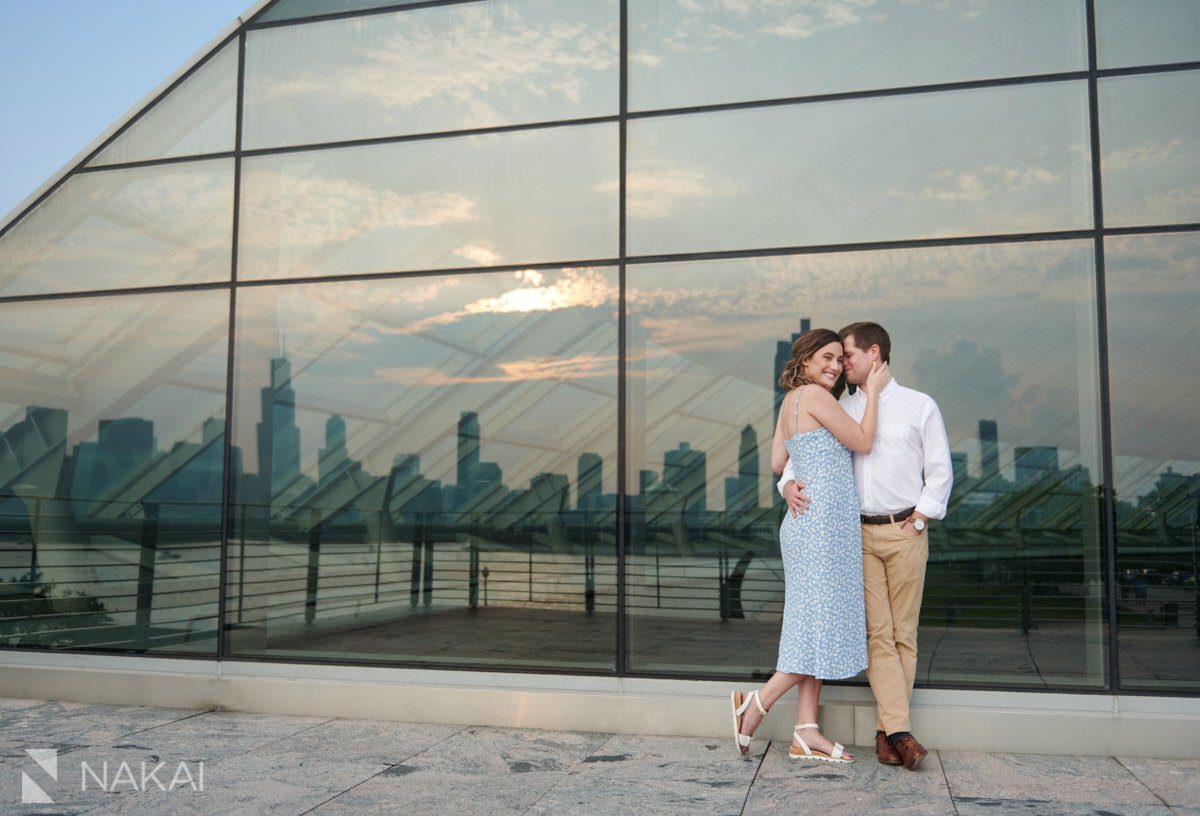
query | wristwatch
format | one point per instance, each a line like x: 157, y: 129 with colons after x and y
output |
x: 918, y: 524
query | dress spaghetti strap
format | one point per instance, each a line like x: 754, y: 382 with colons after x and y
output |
x: 796, y: 411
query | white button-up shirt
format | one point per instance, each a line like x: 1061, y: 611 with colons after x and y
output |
x: 909, y: 462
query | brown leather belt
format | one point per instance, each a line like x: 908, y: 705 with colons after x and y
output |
x: 894, y: 518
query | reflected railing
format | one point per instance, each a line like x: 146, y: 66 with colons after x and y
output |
x: 143, y: 575
x: 102, y: 574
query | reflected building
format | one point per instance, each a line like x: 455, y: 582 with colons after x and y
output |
x: 685, y: 478
x: 279, y: 438
x: 989, y: 450
x: 783, y: 353
x: 741, y: 491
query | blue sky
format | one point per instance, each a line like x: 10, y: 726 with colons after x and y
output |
x: 70, y: 68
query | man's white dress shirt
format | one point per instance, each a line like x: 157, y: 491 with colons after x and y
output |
x: 909, y: 462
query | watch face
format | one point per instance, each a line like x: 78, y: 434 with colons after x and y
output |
x: 919, y: 525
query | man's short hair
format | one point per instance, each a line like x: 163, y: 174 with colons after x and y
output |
x: 867, y: 334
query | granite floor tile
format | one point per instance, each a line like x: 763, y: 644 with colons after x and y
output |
x: 380, y: 743
x: 89, y: 777
x: 786, y: 786
x: 653, y: 775
x: 475, y: 770
x: 406, y: 789
x: 219, y: 735
x: 1030, y: 777
x: 251, y: 785
x: 81, y: 723
x: 1175, y: 781
x: 970, y: 806
x: 480, y: 750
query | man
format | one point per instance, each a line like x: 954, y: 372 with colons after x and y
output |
x: 902, y: 483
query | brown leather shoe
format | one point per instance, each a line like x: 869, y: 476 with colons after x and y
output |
x: 886, y: 752
x: 911, y: 751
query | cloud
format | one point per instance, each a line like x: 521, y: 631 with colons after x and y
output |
x: 477, y: 254
x: 573, y: 288
x: 656, y: 188
x: 1151, y: 152
x: 582, y: 366
x: 315, y: 211
x: 123, y: 226
x: 977, y: 185
x: 486, y: 59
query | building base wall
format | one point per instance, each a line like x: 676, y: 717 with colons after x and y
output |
x: 950, y: 720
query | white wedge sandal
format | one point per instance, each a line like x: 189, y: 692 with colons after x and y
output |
x: 738, y: 706
x: 804, y: 752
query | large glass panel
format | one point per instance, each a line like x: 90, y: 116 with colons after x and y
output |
x: 293, y: 9
x: 1153, y: 286
x: 546, y: 195
x: 144, y: 226
x: 1002, y: 336
x: 426, y: 70
x: 1150, y: 148
x: 696, y: 52
x: 198, y: 116
x: 112, y: 420
x: 982, y: 161
x: 1134, y: 32
x: 428, y: 470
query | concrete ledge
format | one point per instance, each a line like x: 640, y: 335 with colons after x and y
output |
x: 951, y: 720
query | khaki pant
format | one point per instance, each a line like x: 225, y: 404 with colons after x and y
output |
x: 893, y: 581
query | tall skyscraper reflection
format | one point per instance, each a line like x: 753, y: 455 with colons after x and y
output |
x: 741, y: 491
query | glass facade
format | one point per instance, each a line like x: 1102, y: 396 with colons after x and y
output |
x: 492, y: 297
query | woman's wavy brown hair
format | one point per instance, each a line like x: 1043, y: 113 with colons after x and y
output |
x: 803, y: 349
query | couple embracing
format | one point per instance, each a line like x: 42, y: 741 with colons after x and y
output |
x: 862, y: 476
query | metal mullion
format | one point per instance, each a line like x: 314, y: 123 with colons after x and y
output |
x: 1107, y: 473
x: 131, y: 290
x: 260, y: 13
x: 1154, y: 230
x: 225, y: 154
x: 908, y: 90
x: 863, y: 246
x: 1164, y: 68
x: 622, y: 344
x: 227, y: 468
x: 735, y: 254
x: 343, y: 15
x: 421, y: 137
x: 425, y: 273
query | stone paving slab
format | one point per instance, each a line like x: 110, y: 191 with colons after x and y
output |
x: 1175, y: 781
x: 864, y: 786
x: 663, y: 776
x: 264, y: 765
x: 1096, y: 781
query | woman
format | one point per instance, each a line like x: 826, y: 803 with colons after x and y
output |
x: 824, y: 628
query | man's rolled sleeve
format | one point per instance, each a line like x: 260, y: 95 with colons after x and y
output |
x: 939, y: 476
x: 788, y: 475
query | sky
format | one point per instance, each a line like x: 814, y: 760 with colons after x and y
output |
x: 70, y: 68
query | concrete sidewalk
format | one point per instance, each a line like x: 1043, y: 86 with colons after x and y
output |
x: 255, y: 765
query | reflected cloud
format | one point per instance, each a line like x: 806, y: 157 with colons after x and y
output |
x: 583, y: 366
x: 588, y: 288
x: 1151, y: 152
x: 700, y: 317
x: 167, y: 222
x: 480, y: 255
x: 314, y: 211
x: 489, y: 64
x: 977, y: 185
x: 659, y: 188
